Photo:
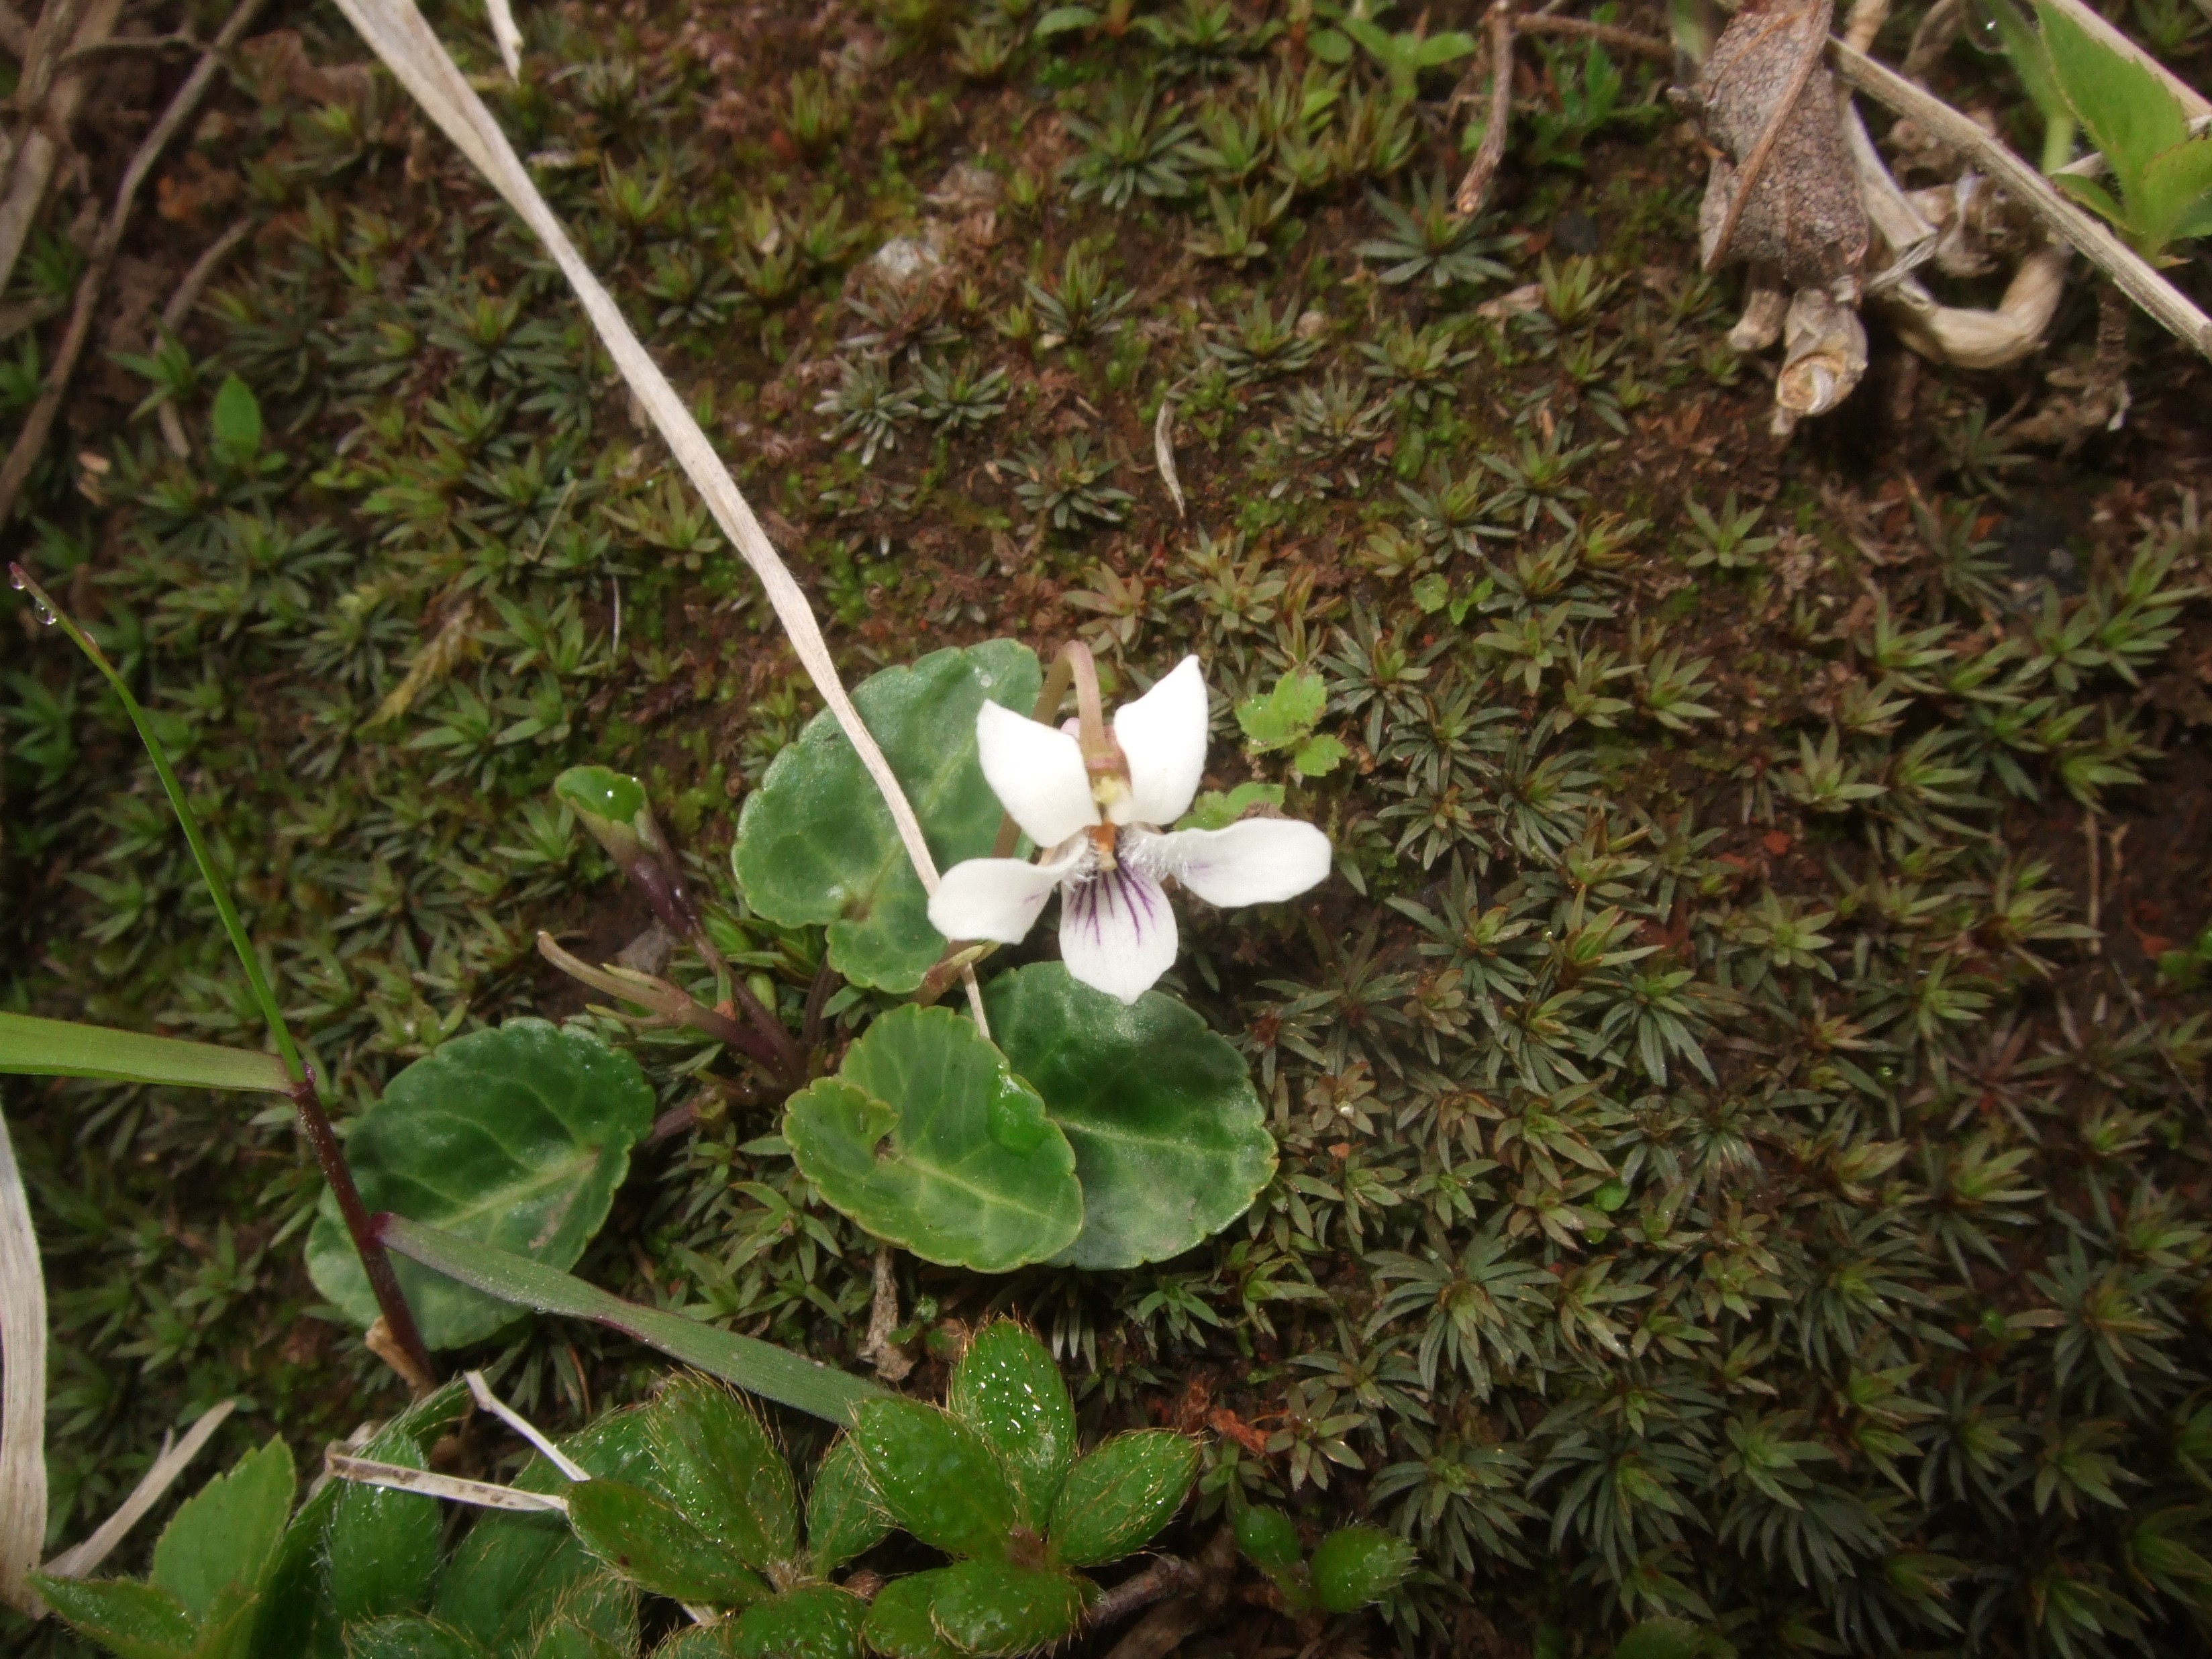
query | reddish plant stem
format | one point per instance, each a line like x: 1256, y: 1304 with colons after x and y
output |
x: 391, y: 1300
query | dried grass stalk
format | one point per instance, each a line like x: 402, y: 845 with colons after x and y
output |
x: 22, y: 1387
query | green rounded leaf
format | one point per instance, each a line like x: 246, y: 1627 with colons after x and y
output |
x: 720, y: 1469
x: 602, y: 793
x: 648, y: 1540
x: 927, y: 1140
x: 1171, y: 1141
x: 380, y: 1552
x: 1119, y: 1494
x: 1269, y: 1539
x: 1355, y: 1565
x: 935, y: 1476
x: 899, y: 1625
x: 516, y: 1137
x: 1007, y: 1389
x: 990, y: 1608
x: 1661, y: 1639
x: 814, y: 1621
x: 235, y: 420
x: 842, y: 1518
x: 816, y: 844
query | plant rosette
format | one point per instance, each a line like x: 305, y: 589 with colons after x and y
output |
x: 1096, y: 800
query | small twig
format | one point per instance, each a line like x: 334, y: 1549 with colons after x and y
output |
x: 1492, y: 151
x: 116, y: 45
x: 1754, y: 166
x: 42, y: 148
x: 877, y: 1347
x: 1606, y: 34
x: 1164, y: 454
x: 480, y: 1391
x: 2090, y: 835
x: 1172, y: 1622
x: 180, y: 307
x: 421, y: 1381
x: 818, y: 997
x: 671, y: 1005
x: 15, y: 32
x: 1866, y: 20
x: 38, y: 426
x: 2128, y: 269
x: 1168, y: 1575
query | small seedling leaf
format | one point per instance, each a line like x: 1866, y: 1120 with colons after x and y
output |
x: 516, y: 1137
x: 1355, y: 1565
x: 2127, y: 111
x: 1286, y: 715
x: 1008, y: 1390
x: 1269, y: 1539
x: 1121, y: 1493
x: 935, y: 1476
x: 235, y: 420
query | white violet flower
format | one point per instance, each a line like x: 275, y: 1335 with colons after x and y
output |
x: 1097, y: 807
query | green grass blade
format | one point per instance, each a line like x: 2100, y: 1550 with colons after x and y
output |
x: 760, y: 1368
x: 239, y: 942
x: 61, y: 1048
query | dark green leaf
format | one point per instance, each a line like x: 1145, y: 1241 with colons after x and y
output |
x: 927, y: 1140
x: 130, y: 1619
x: 510, y: 1572
x: 1269, y: 1539
x: 935, y: 1476
x: 517, y: 1137
x: 1007, y: 1389
x: 1064, y: 20
x: 899, y: 1625
x: 1355, y: 1565
x: 380, y: 1552
x: 816, y: 843
x: 1661, y: 1639
x: 226, y: 1534
x: 2172, y: 194
x: 720, y: 1469
x: 412, y: 1637
x: 813, y: 1621
x: 990, y: 1608
x: 1119, y: 1494
x: 1171, y: 1141
x: 298, y: 1618
x: 842, y: 1519
x: 596, y: 1617
x: 648, y: 1540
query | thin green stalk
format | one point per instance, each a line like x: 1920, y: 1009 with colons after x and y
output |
x: 758, y: 1367
x: 248, y: 958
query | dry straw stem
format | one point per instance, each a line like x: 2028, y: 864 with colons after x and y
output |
x: 40, y: 150
x: 396, y: 31
x: 31, y: 440
x: 2128, y: 270
x: 482, y: 1494
x: 1492, y: 151
x: 22, y: 1387
x: 176, y: 1456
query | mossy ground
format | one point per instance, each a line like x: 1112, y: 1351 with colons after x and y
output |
x: 1723, y: 1173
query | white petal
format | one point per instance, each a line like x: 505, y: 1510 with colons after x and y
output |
x: 1258, y: 862
x: 1163, y: 734
x: 1036, y: 773
x: 1116, y: 932
x: 995, y: 898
